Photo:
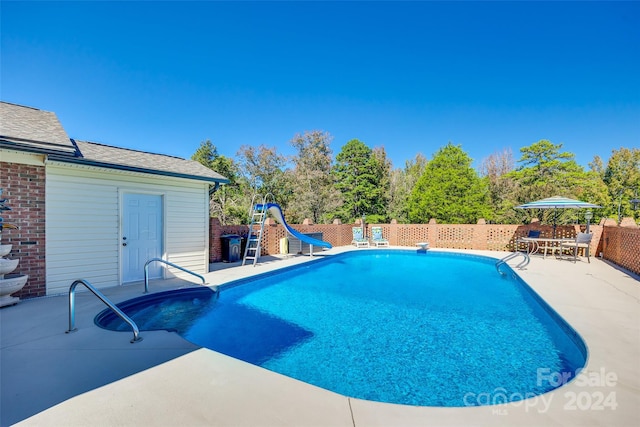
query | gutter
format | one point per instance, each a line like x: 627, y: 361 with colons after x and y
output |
x: 37, y: 149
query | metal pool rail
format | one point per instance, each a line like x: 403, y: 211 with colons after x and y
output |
x: 104, y: 299
x: 146, y: 272
x: 504, y: 260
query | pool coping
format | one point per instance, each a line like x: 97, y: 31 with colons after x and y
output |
x: 182, y: 384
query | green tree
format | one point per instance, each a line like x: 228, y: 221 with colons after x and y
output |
x: 226, y: 202
x: 382, y: 168
x: 358, y: 175
x: 449, y: 190
x: 544, y: 170
x: 622, y: 177
x: 206, y: 155
x: 314, y: 195
x: 547, y: 171
x: 402, y: 182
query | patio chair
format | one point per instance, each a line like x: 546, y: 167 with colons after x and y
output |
x: 377, y: 239
x: 583, y: 241
x: 358, y: 239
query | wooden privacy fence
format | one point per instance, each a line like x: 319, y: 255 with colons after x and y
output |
x: 620, y: 245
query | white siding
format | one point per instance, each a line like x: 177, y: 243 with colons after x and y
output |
x: 83, y: 226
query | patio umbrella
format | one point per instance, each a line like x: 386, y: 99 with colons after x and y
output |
x: 557, y: 202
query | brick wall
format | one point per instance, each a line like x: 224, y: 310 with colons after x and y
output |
x: 623, y: 247
x: 24, y: 187
x: 215, y: 231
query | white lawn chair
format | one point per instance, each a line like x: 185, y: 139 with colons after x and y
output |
x: 583, y: 240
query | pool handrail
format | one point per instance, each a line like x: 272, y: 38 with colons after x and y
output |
x: 104, y: 299
x: 146, y: 272
x: 504, y: 260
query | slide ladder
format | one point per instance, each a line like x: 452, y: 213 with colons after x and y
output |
x: 258, y: 215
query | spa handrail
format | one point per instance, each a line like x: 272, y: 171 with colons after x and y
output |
x: 146, y: 272
x: 104, y: 299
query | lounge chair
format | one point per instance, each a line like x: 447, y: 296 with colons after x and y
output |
x: 583, y: 240
x: 358, y: 238
x: 377, y: 239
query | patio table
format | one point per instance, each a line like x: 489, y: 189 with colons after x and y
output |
x: 536, y: 244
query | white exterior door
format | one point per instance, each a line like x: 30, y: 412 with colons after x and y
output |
x: 141, y: 237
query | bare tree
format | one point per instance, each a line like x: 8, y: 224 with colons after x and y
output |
x: 314, y: 195
x: 262, y: 168
x: 495, y: 170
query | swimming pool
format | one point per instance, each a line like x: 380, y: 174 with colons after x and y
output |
x: 428, y: 329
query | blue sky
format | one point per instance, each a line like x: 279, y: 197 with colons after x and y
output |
x: 409, y: 76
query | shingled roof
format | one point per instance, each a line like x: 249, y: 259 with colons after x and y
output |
x: 32, y: 130
x: 140, y: 161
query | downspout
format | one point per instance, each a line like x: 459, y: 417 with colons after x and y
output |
x: 214, y: 189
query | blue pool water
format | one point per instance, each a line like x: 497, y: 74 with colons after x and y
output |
x: 430, y: 329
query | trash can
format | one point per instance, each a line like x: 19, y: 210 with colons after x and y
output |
x: 230, y: 247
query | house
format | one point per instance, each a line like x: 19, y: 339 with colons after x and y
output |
x: 96, y: 212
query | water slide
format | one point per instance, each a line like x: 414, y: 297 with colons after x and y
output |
x: 276, y: 212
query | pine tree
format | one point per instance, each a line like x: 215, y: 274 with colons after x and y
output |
x: 449, y: 190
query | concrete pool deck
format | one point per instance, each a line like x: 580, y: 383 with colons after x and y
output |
x: 96, y: 377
